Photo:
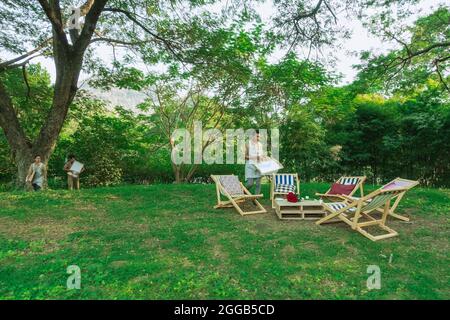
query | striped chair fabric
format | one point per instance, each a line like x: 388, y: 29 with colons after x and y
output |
x: 398, y: 184
x: 349, y: 180
x: 285, y: 179
x: 336, y: 206
x: 378, y: 201
x: 372, y: 204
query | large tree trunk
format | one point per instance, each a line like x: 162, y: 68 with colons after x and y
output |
x: 177, y: 173
x: 22, y: 149
x: 20, y: 146
x: 68, y: 62
x: 23, y: 161
x: 191, y: 172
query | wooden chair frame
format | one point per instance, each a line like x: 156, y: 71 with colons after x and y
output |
x: 398, y: 198
x: 272, y: 186
x: 337, y: 197
x: 359, y: 204
x: 234, y: 201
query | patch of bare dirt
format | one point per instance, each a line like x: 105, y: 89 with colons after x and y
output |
x: 39, y: 228
x: 288, y: 250
x: 118, y: 263
x: 218, y: 252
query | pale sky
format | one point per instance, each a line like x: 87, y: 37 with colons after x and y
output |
x: 345, y: 58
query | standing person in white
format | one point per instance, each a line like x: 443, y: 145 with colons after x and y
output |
x: 36, y: 174
x: 253, y: 154
x: 73, y: 178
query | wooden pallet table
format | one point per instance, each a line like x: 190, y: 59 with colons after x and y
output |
x: 302, y: 210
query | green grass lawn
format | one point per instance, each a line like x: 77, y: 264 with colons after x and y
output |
x: 167, y: 242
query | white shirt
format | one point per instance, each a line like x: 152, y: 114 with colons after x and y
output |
x: 255, y: 149
x: 38, y: 173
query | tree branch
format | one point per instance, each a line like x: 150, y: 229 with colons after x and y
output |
x: 53, y: 13
x: 404, y: 60
x: 21, y: 64
x: 429, y: 48
x: 310, y: 14
x: 438, y: 71
x: 122, y: 42
x: 168, y: 44
x: 84, y: 9
x: 5, y: 64
x: 90, y: 22
x: 331, y: 11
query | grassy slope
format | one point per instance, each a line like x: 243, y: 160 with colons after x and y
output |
x: 166, y: 241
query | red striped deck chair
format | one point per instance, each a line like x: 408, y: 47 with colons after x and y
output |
x: 356, y: 212
x: 282, y: 184
x: 237, y: 194
x: 344, y: 187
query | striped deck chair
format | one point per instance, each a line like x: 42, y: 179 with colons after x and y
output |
x: 230, y: 187
x: 282, y: 184
x: 397, y: 183
x: 352, y: 211
x: 350, y: 185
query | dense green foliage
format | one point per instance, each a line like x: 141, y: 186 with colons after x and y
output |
x: 401, y: 136
x: 337, y: 131
x: 167, y: 242
x: 387, y: 123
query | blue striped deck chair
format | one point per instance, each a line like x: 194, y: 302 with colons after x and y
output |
x: 357, y: 212
x: 357, y: 183
x: 282, y: 184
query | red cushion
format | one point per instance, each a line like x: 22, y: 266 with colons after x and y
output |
x: 338, y: 188
x: 291, y: 197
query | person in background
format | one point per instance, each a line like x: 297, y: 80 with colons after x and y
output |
x: 36, y: 174
x: 73, y: 178
x: 253, y: 154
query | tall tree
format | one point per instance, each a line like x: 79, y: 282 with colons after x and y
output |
x: 68, y: 59
x: 173, y: 111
